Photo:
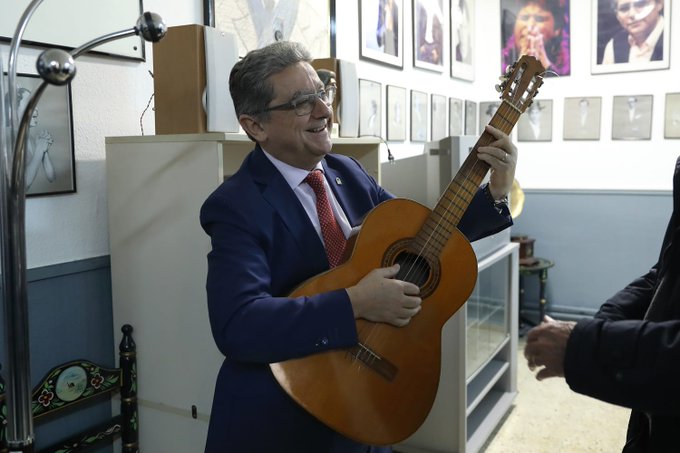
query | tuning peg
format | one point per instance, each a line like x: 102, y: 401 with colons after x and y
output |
x: 499, y: 88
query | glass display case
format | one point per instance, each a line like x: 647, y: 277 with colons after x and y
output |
x: 478, y: 379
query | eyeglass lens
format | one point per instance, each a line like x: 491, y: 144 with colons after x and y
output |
x: 305, y: 104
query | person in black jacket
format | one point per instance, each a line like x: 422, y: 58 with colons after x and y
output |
x: 629, y: 353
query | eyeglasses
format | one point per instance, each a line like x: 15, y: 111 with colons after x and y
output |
x: 304, y: 104
x: 638, y: 5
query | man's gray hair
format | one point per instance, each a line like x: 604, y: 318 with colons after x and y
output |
x: 249, y: 83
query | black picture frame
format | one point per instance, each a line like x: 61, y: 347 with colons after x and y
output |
x: 50, y: 150
x: 370, y: 108
x: 438, y: 119
x: 536, y: 123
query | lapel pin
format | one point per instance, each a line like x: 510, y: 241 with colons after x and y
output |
x: 338, y: 181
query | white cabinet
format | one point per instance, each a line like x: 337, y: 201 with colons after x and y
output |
x: 478, y: 380
x: 156, y: 185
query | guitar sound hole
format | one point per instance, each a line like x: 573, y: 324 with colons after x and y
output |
x: 412, y: 268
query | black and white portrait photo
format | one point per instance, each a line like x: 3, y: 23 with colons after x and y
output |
x: 582, y: 118
x: 632, y: 117
x: 470, y: 117
x: 535, y: 124
x: 455, y: 117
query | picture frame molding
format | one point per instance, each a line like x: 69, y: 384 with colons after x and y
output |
x: 419, y: 131
x: 394, y: 93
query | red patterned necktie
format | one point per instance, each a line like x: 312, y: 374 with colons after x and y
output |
x: 333, y: 237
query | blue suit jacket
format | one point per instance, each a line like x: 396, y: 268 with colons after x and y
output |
x: 263, y: 246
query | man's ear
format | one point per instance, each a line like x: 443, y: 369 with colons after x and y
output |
x: 253, y: 127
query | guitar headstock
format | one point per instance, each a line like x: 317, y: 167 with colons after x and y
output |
x: 521, y: 82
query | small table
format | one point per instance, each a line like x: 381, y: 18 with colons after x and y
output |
x: 540, y: 269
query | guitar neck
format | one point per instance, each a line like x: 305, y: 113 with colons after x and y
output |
x: 455, y: 200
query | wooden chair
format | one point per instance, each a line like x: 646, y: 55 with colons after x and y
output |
x: 72, y: 385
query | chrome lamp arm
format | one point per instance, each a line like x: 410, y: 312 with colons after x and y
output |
x: 56, y: 67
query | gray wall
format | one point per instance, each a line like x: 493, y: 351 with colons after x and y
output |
x: 70, y: 318
x: 599, y: 240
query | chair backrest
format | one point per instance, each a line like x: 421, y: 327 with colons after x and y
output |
x: 75, y: 384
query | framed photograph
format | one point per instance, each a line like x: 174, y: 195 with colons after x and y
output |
x: 486, y: 111
x: 396, y: 113
x: 381, y: 25
x: 672, y: 116
x: 370, y: 110
x: 632, y: 117
x: 630, y: 35
x: 470, y: 118
x: 79, y: 21
x: 418, y: 116
x: 257, y: 24
x: 535, y: 124
x: 582, y: 118
x: 438, y: 115
x: 455, y: 117
x: 462, y: 39
x: 429, y: 29
x: 530, y: 29
x: 50, y: 159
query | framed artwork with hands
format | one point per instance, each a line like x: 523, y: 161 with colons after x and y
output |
x: 50, y: 159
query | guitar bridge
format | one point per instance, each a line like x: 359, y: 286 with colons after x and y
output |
x: 373, y: 361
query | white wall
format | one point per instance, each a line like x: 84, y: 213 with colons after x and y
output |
x: 109, y: 95
x: 603, y: 164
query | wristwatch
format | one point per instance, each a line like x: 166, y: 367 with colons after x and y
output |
x: 497, y: 204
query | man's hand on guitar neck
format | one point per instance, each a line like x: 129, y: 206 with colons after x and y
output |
x: 501, y: 155
x: 378, y: 297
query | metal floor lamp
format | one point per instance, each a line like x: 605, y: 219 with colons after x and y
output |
x: 56, y: 67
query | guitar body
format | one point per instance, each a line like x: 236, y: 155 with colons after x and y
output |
x: 381, y: 393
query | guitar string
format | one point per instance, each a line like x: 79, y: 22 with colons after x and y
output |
x: 449, y: 210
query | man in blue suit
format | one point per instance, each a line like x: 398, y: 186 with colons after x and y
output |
x: 266, y: 240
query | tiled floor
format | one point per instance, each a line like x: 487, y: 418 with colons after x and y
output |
x: 548, y: 417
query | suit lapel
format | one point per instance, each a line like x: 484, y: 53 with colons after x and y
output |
x: 283, y: 200
x: 341, y: 192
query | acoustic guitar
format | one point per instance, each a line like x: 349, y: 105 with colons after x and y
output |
x: 380, y: 391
